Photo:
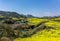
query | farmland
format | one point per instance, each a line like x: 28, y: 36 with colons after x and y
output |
x: 50, y: 33
x: 24, y: 28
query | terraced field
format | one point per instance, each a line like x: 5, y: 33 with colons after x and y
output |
x: 35, y: 21
x: 50, y: 33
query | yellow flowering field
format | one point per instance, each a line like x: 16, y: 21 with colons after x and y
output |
x: 53, y: 24
x: 34, y: 21
x: 44, y: 35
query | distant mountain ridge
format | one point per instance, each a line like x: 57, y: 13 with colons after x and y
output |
x: 12, y: 14
x: 17, y: 15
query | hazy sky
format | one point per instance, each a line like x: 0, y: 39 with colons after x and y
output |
x: 33, y: 7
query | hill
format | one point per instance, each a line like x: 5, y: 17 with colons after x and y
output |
x: 11, y: 14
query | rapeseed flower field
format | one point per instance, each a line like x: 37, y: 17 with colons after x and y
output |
x: 46, y: 34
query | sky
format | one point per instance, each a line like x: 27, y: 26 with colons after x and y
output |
x: 37, y: 8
